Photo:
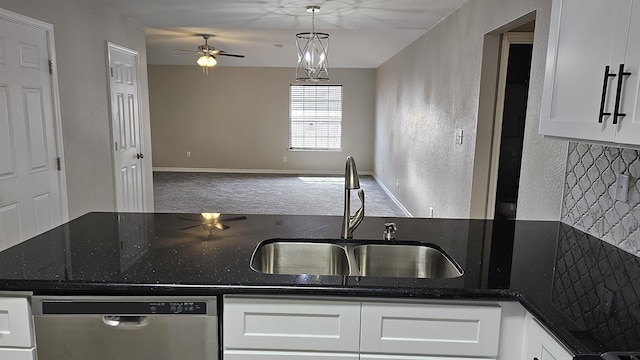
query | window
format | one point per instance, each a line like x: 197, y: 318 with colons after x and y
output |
x: 315, y: 114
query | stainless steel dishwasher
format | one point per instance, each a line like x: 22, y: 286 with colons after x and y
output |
x: 158, y: 328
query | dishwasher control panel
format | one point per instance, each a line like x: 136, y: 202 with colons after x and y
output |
x: 80, y: 307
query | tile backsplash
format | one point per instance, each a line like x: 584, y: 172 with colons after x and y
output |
x: 589, y: 202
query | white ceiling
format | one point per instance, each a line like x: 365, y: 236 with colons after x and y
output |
x: 364, y: 33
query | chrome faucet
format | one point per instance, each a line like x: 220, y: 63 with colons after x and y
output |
x: 351, y: 182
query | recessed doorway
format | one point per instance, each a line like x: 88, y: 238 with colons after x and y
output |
x: 509, y: 124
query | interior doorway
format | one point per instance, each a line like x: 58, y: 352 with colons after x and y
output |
x: 126, y: 131
x: 509, y: 124
x: 33, y: 197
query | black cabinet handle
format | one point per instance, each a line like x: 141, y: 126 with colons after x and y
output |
x: 607, y: 75
x: 616, y: 111
x: 140, y: 156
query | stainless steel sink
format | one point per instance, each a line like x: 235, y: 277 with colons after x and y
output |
x: 410, y: 261
x: 285, y: 257
x: 353, y: 258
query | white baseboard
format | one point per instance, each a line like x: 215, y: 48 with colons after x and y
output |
x: 393, y: 197
x: 255, y: 171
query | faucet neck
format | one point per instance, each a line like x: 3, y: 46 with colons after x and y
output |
x: 351, y: 179
x: 351, y: 182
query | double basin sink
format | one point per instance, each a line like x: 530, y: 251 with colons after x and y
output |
x: 353, y: 258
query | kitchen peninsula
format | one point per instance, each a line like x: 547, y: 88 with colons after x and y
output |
x: 582, y: 289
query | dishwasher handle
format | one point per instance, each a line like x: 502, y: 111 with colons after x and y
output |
x: 125, y: 322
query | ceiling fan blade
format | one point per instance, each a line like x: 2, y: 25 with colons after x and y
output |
x: 235, y: 218
x: 220, y: 226
x: 189, y: 227
x: 183, y: 218
x: 222, y: 53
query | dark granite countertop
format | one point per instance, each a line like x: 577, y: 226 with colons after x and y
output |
x: 581, y: 288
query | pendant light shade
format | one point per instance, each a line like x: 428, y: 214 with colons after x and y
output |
x: 313, y: 50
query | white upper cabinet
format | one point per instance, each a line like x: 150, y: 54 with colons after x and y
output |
x: 628, y: 131
x: 585, y: 93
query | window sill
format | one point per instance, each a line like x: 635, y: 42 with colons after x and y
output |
x: 315, y: 150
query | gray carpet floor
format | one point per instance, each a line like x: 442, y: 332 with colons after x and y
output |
x: 265, y: 194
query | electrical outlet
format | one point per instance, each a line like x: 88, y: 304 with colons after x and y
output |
x: 459, y: 136
x: 622, y: 187
x: 397, y: 183
x: 284, y: 159
x: 188, y: 153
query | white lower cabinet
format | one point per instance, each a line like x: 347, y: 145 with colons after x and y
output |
x: 16, y: 329
x: 539, y: 344
x: 406, y: 357
x: 434, y: 329
x: 285, y: 355
x: 17, y: 354
x: 317, y: 329
x: 291, y: 324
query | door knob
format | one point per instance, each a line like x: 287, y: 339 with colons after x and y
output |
x: 139, y: 155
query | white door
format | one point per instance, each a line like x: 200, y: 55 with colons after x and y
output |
x: 125, y: 122
x: 32, y: 188
x: 585, y: 36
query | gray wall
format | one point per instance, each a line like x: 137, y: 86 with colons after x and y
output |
x: 431, y: 89
x: 238, y: 118
x: 82, y: 29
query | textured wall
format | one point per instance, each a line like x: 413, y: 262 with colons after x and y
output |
x: 589, y: 196
x: 82, y: 29
x: 431, y: 89
x: 238, y: 118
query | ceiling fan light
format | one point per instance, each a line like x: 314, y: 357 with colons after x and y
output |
x: 202, y: 60
x: 211, y: 61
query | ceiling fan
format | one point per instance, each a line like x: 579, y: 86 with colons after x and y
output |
x: 207, y: 54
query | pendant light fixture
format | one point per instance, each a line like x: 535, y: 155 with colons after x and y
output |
x: 313, y: 48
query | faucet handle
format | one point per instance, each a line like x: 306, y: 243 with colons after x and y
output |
x: 389, y: 231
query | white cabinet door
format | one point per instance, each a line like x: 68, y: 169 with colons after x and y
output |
x: 585, y: 36
x: 291, y: 324
x: 15, y: 323
x: 430, y: 329
x: 285, y: 355
x: 17, y: 354
x: 628, y: 131
x: 540, y: 345
x: 404, y: 357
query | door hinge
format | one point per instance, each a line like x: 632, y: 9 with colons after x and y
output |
x: 116, y: 146
x: 50, y: 67
x: 59, y: 163
x: 111, y: 71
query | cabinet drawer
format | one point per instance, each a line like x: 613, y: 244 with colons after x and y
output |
x: 414, y: 357
x: 17, y: 354
x: 15, y: 322
x: 417, y: 329
x: 285, y: 355
x: 291, y: 324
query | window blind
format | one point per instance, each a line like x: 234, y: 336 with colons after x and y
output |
x: 315, y: 113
